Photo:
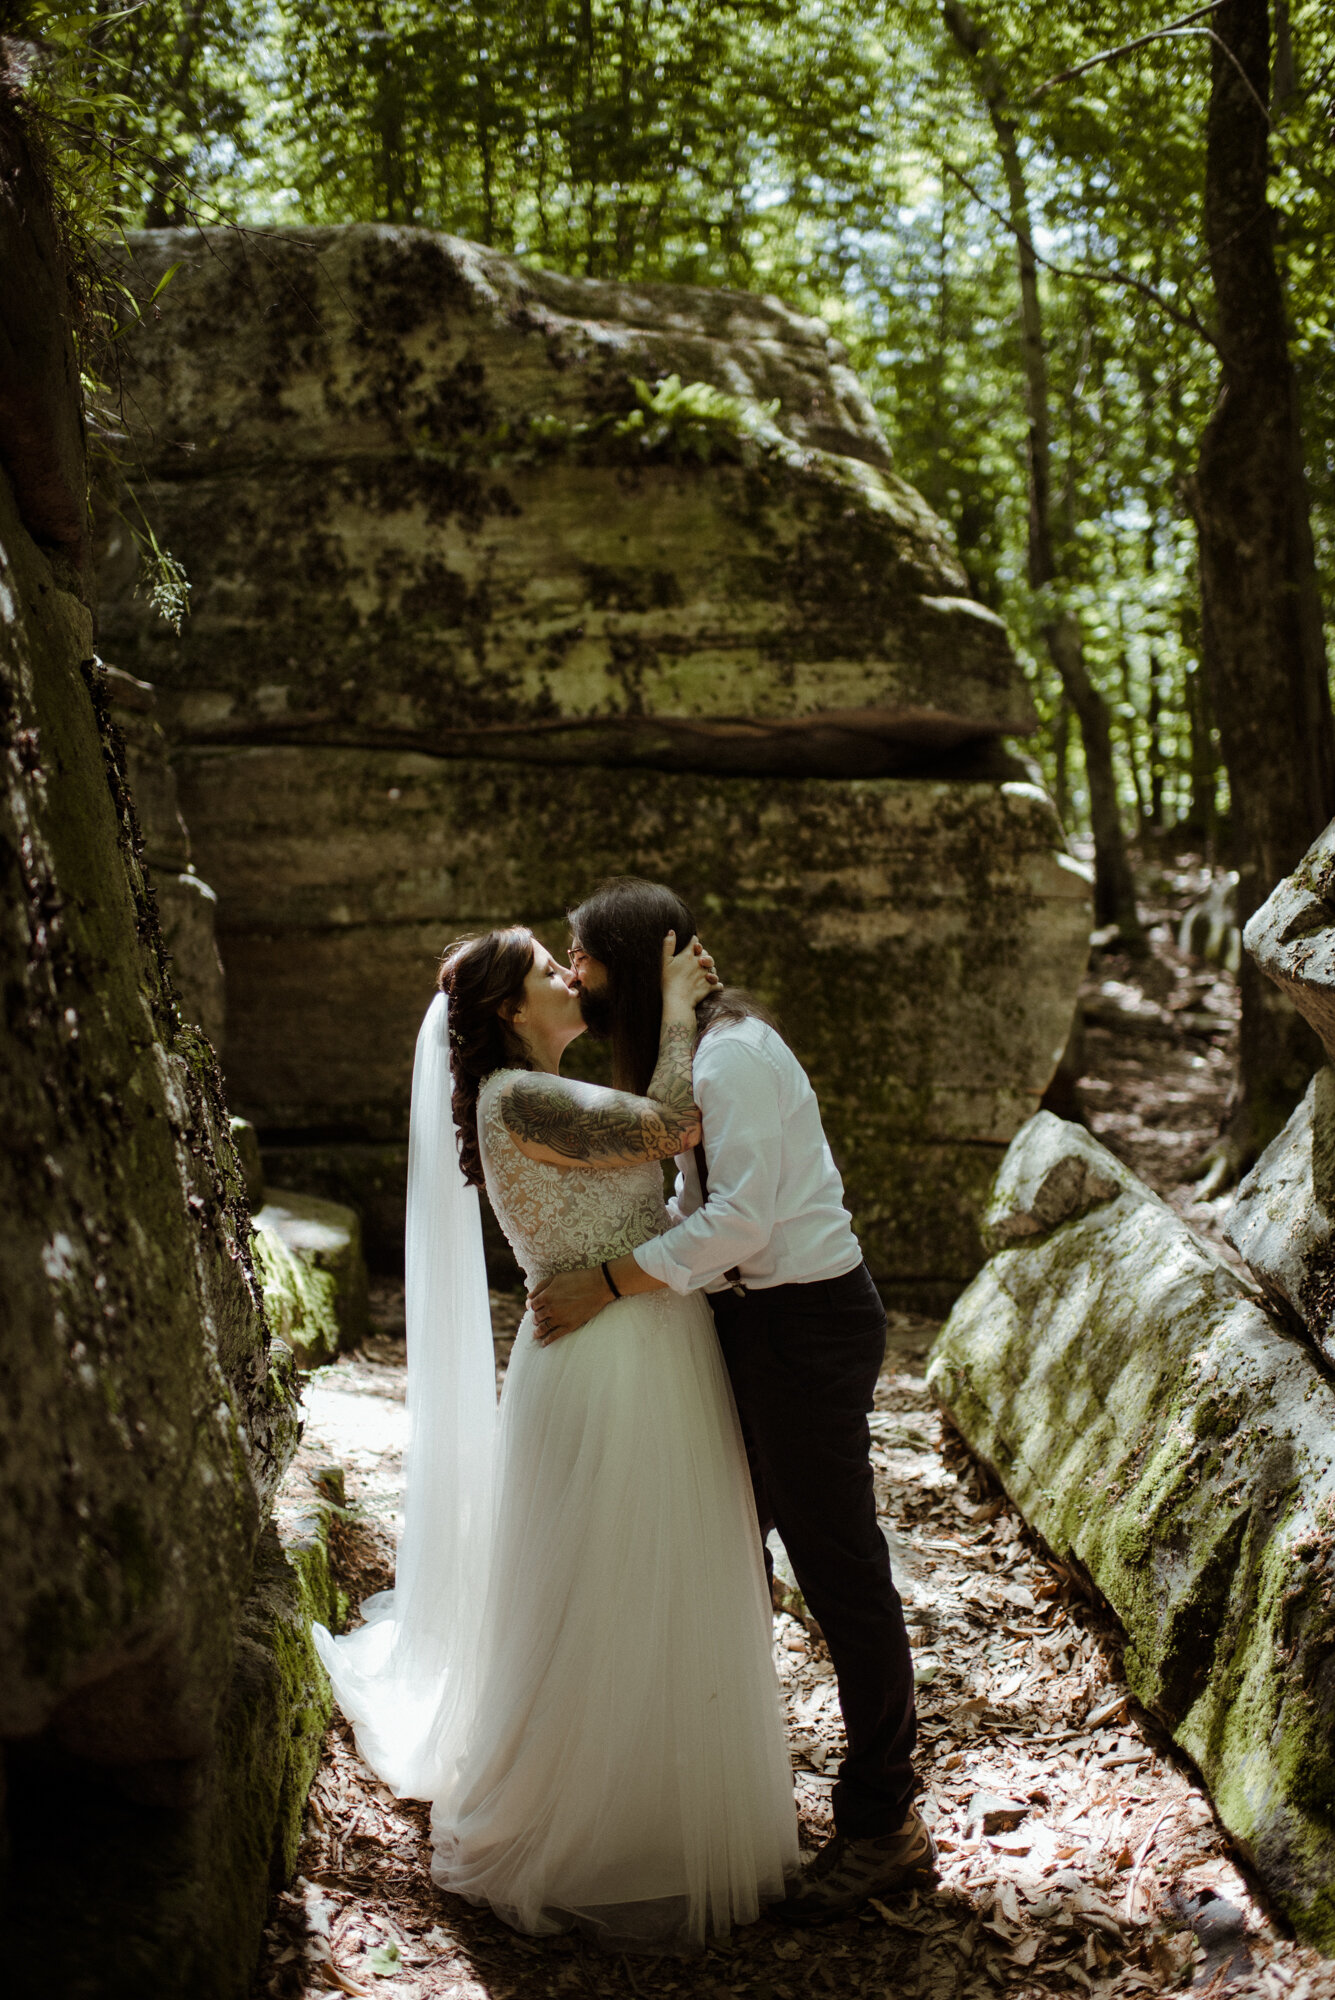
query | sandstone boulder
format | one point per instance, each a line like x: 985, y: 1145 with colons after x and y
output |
x: 428, y: 497
x: 308, y: 1253
x: 247, y: 1142
x: 920, y: 942
x: 1282, y: 1222
x: 1157, y: 1425
x: 502, y: 582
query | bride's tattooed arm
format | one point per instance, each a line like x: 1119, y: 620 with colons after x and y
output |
x: 560, y: 1120
x: 670, y: 1083
x: 556, y: 1120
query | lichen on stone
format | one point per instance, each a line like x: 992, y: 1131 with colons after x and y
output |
x: 1155, y: 1424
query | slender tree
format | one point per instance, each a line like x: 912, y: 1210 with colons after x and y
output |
x: 1263, y: 647
x: 1049, y: 544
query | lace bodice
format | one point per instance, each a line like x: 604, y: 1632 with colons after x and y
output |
x: 563, y: 1218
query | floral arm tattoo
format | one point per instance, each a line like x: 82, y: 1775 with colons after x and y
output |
x: 670, y: 1083
x: 582, y: 1122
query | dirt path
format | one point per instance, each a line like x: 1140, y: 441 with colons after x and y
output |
x: 1078, y: 1854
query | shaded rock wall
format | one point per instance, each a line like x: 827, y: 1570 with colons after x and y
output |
x: 474, y: 623
x: 136, y: 1333
x: 158, y: 1694
x: 1157, y: 1425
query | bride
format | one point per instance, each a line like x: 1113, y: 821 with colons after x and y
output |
x: 574, y: 1665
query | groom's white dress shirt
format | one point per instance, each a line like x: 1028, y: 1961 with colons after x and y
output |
x: 776, y: 1202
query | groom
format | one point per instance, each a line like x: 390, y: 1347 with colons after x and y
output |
x: 763, y: 1229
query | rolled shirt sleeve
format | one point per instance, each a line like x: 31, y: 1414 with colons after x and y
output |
x: 738, y: 1094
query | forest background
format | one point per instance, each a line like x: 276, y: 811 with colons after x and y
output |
x: 1003, y: 212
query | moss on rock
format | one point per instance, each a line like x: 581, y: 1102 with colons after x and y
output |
x: 1153, y: 1422
x: 460, y: 541
x: 308, y: 1254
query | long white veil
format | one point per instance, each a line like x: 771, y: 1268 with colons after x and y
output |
x: 406, y: 1678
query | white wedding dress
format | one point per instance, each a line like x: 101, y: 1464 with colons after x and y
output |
x: 612, y: 1754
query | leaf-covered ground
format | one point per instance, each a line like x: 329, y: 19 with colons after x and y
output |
x: 1079, y: 1853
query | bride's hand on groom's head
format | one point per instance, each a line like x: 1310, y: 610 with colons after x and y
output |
x: 689, y: 974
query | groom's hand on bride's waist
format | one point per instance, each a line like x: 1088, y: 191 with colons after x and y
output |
x: 569, y: 1299
x: 566, y: 1301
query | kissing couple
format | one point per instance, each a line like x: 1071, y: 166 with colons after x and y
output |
x: 575, y: 1665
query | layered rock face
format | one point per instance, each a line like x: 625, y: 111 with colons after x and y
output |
x: 486, y: 605
x: 160, y: 1707
x: 1155, y: 1423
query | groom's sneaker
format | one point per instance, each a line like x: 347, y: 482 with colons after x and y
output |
x: 846, y: 1872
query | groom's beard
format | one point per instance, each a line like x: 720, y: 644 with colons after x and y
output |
x: 597, y: 1011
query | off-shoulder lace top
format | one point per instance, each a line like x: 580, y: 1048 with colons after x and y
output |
x: 563, y: 1218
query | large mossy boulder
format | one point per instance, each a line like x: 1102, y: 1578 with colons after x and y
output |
x: 1292, y: 937
x: 1157, y: 1426
x: 185, y: 902
x: 423, y: 503
x: 503, y: 582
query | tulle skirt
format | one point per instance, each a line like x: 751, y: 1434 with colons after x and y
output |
x: 622, y: 1764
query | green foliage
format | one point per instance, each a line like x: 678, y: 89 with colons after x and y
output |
x: 163, y: 581
x: 692, y: 420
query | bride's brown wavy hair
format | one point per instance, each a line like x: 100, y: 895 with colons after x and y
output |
x: 480, y: 975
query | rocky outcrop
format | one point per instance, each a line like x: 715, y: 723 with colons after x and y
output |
x: 308, y: 1253
x: 423, y: 504
x: 159, y: 1697
x: 41, y: 409
x: 1282, y: 1222
x: 450, y: 524
x: 1159, y: 1428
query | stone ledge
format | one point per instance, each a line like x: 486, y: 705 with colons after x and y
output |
x: 308, y: 1254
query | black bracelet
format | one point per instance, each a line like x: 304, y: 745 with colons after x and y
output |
x: 611, y: 1282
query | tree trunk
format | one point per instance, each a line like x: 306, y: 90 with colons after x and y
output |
x: 1202, y: 814
x: 1114, y: 885
x: 1154, y: 720
x: 1263, y: 648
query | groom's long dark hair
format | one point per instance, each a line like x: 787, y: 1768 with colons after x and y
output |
x: 623, y: 924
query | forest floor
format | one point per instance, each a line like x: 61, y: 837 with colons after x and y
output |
x: 1079, y: 1852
